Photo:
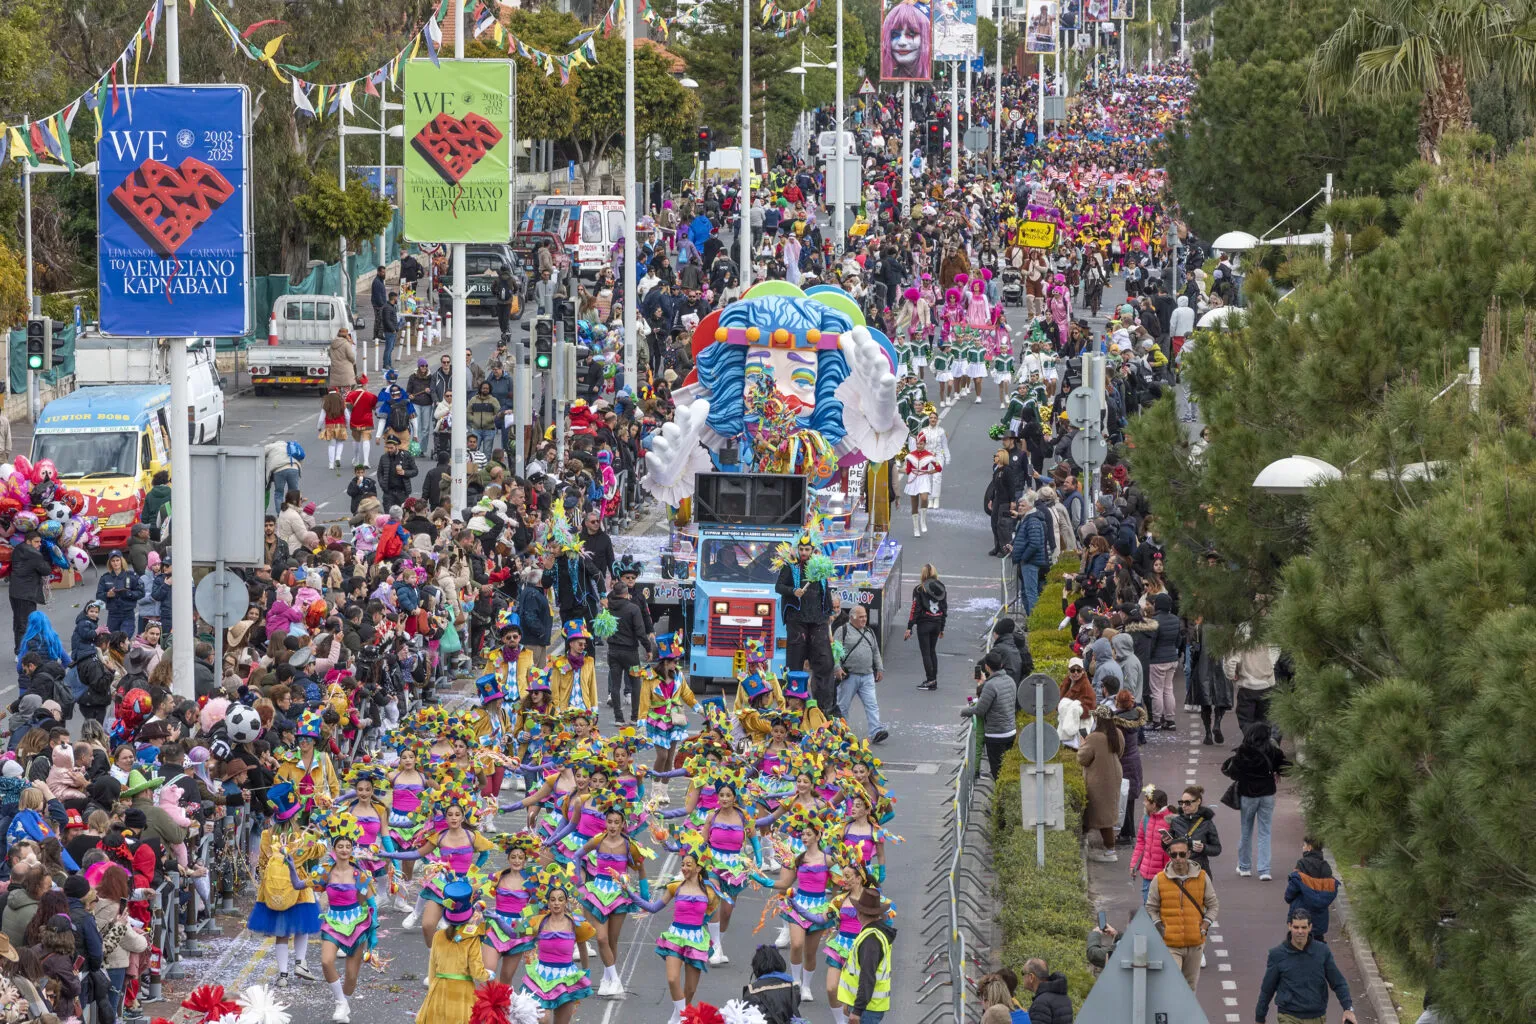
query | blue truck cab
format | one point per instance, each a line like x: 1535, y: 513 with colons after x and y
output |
x: 741, y: 519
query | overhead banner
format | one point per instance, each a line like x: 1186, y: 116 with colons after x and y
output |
x: 173, y: 202
x: 906, y: 42
x: 1122, y: 10
x: 954, y: 30
x: 457, y: 151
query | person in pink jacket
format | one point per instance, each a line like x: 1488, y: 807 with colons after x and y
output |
x: 1149, y: 857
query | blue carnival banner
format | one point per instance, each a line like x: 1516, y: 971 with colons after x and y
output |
x: 173, y: 202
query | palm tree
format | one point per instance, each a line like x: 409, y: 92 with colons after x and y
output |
x: 1426, y: 49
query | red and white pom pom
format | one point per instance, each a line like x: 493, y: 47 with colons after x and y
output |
x: 259, y: 1005
x: 738, y: 1012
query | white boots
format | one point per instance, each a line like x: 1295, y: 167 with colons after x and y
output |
x: 611, y: 985
x: 922, y: 517
x: 917, y: 525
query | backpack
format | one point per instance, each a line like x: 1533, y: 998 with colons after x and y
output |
x: 1048, y: 536
x: 281, y: 895
x: 399, y: 418
x: 295, y: 451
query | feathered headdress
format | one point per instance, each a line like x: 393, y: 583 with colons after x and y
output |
x: 528, y: 842
x: 626, y: 739
x: 561, y: 536
x: 337, y: 825
x: 552, y: 878
x: 608, y: 801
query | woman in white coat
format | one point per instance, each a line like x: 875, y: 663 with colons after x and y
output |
x: 938, y: 444
x: 922, y: 468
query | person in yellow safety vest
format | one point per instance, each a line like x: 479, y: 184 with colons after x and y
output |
x: 865, y: 984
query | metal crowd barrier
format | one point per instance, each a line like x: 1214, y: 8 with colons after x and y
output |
x: 953, y: 938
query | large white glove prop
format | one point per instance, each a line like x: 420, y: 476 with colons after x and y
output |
x: 676, y: 454
x: 868, y: 395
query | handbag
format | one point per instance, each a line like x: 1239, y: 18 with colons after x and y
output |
x: 1231, y: 799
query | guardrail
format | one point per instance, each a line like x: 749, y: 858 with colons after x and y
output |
x: 956, y: 940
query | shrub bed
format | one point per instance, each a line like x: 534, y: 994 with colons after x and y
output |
x: 1044, y: 913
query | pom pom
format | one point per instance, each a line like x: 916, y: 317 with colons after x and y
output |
x: 493, y: 1004
x: 259, y: 1005
x: 837, y: 652
x: 819, y: 569
x: 209, y: 1001
x: 605, y: 624
x: 738, y: 1012
x: 702, y: 1013
x: 996, y: 431
x: 524, y: 1009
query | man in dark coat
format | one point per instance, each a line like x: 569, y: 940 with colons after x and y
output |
x: 396, y: 470
x: 807, y: 607
x: 29, y: 569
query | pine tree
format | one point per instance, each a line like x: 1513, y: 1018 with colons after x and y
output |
x: 1407, y: 607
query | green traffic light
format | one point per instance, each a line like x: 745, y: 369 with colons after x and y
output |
x: 34, y: 362
x: 541, y: 360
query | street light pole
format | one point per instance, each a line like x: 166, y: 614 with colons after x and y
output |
x: 631, y: 242
x: 839, y: 226
x: 997, y: 93
x: 182, y: 630
x: 954, y: 123
x: 744, y: 197
x: 906, y: 151
x: 458, y: 374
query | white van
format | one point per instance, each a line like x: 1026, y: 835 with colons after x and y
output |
x: 114, y: 361
x: 588, y: 227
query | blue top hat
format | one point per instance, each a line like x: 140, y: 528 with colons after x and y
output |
x: 509, y: 619
x: 284, y: 800
x: 461, y: 903
x: 798, y: 684
x: 668, y: 648
x: 489, y: 688
x: 754, y: 685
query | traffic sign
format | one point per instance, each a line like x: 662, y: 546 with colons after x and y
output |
x: 1089, y: 451
x: 1079, y: 404
x: 1037, y: 234
x: 664, y: 153
x: 867, y: 89
x: 221, y: 593
x: 1050, y: 693
x: 1051, y: 741
x: 1142, y: 982
x: 978, y: 139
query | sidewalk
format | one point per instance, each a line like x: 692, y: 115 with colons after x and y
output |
x: 1252, y: 917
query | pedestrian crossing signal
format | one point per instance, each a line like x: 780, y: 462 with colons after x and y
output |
x: 40, y: 344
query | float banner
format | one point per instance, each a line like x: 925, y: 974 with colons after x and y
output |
x: 173, y: 202
x: 1041, y: 34
x: 457, y: 149
x: 906, y: 42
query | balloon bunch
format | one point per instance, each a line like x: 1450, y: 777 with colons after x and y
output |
x: 33, y: 500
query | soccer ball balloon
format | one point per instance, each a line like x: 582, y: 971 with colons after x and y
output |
x: 243, y: 723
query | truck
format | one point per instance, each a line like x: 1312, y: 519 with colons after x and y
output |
x: 103, y: 362
x: 108, y: 443
x: 305, y: 326
x: 742, y: 518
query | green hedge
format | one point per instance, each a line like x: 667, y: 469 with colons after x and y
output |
x: 1044, y: 913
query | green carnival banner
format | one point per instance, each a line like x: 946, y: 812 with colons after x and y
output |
x: 457, y: 151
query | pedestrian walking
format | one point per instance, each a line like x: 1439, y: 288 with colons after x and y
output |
x: 1149, y: 857
x: 1297, y: 976
x: 284, y: 461
x: 860, y: 669
x: 1252, y: 671
x: 1052, y: 1004
x: 1253, y: 767
x: 1130, y: 718
x: 1164, y: 661
x: 1032, y: 548
x: 396, y: 471
x: 343, y: 357
x: 1312, y: 886
x: 928, y: 616
x: 1183, y: 905
x: 1197, y: 823
x: 1099, y: 756
x: 30, y: 573
x: 1210, y: 688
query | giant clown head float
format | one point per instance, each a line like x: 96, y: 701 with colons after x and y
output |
x: 796, y: 380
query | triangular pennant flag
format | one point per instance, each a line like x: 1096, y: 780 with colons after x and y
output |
x: 133, y: 45
x: 114, y: 88
x: 61, y: 133
x: 346, y: 97
x: 127, y: 89
x: 42, y: 145
x: 191, y: 6
x: 300, y: 100
x: 69, y: 114
x: 97, y: 102
x: 154, y: 22
x: 5, y: 143
x: 415, y: 46
x: 369, y: 84
x: 19, y: 150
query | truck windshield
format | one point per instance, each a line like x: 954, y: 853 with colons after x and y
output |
x: 738, y: 560
x: 109, y: 453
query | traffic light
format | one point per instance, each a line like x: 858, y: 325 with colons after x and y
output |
x: 40, y: 344
x: 934, y: 141
x: 705, y: 139
x: 543, y: 343
x: 565, y: 315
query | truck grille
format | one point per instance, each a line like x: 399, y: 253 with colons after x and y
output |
x: 725, y: 641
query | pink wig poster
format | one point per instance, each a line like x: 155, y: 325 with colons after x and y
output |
x: 906, y: 43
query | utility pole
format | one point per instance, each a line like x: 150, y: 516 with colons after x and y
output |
x: 839, y: 215
x: 459, y: 375
x: 182, y: 630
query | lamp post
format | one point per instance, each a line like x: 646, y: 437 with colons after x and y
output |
x: 631, y: 243
x: 744, y: 205
x: 839, y: 227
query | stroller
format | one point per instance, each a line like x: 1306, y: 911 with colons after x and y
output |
x: 1013, y: 288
